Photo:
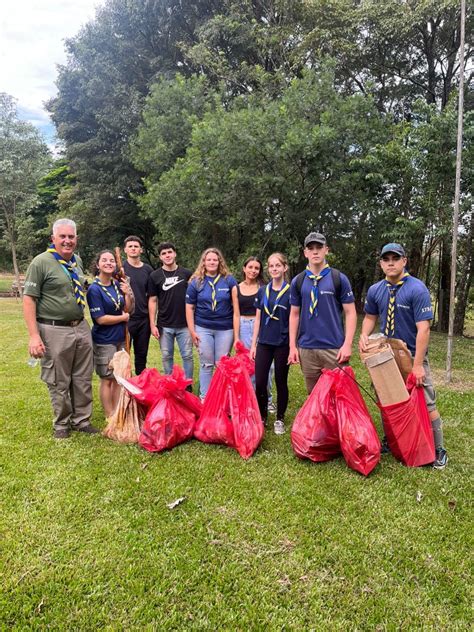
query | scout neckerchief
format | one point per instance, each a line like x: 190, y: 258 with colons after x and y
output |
x: 70, y: 267
x: 213, y: 285
x: 115, y: 300
x: 315, y: 278
x: 392, y: 293
x: 266, y: 297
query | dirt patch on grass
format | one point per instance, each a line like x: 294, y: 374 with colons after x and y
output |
x: 462, y: 379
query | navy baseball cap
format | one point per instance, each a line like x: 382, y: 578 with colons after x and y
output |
x: 395, y: 249
x: 312, y: 238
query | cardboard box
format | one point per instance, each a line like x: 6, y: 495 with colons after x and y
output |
x: 384, y: 372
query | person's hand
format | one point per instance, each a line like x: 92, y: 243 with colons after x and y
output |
x: 36, y: 347
x: 293, y: 357
x: 126, y: 317
x: 125, y: 287
x: 253, y: 352
x: 344, y: 353
x: 363, y: 342
x: 196, y: 338
x: 419, y: 372
x: 155, y: 332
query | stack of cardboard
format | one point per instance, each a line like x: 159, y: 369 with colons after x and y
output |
x: 381, y: 361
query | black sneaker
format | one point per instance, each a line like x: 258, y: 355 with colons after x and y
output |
x: 441, y: 459
x: 89, y: 429
x: 384, y: 447
x: 62, y: 433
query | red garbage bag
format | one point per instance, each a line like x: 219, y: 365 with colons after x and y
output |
x: 360, y: 444
x: 315, y: 434
x: 243, y: 354
x: 408, y: 429
x: 173, y: 411
x: 230, y: 414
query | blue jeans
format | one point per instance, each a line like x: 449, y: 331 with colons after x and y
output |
x: 245, y: 335
x: 213, y: 344
x: 185, y: 345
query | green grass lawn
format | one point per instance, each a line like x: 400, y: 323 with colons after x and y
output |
x: 271, y: 543
x: 6, y: 281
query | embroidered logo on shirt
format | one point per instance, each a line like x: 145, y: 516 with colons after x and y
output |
x: 171, y: 282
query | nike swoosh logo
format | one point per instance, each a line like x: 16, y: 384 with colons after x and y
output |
x: 169, y: 283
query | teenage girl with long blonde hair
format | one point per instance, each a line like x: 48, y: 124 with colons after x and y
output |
x: 212, y: 313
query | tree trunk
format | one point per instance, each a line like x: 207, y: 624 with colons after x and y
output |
x: 11, y: 232
x: 444, y: 281
x: 465, y: 283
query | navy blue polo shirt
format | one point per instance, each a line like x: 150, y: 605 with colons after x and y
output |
x: 412, y: 305
x: 101, y: 305
x: 273, y: 332
x: 323, y: 330
x: 200, y: 294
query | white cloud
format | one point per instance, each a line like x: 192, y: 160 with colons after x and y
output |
x: 32, y: 34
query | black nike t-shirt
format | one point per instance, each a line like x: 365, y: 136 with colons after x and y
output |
x: 139, y: 281
x: 170, y: 289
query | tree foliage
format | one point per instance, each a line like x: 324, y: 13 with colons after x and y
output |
x: 24, y: 158
x: 247, y: 123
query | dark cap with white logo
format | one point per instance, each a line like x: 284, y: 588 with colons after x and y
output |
x: 314, y: 238
x: 393, y: 248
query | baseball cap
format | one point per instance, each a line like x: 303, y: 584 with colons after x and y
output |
x: 393, y: 248
x: 314, y: 238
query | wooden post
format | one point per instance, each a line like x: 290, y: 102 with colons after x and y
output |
x: 457, y: 194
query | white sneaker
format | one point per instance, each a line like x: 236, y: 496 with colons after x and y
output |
x: 279, y: 427
x: 271, y: 408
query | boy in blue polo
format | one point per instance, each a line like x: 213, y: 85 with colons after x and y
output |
x: 403, y: 305
x: 319, y: 296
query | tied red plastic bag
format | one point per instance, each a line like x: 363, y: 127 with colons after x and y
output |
x: 173, y: 411
x: 315, y: 434
x: 230, y: 414
x: 243, y: 354
x: 360, y: 444
x: 408, y: 429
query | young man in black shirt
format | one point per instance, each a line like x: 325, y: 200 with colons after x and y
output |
x: 139, y: 324
x: 167, y: 292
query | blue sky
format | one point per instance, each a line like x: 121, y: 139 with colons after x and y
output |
x: 32, y: 34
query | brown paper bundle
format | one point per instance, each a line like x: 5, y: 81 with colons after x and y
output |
x: 402, y: 356
x: 126, y: 422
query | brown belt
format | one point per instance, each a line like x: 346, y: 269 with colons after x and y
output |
x: 60, y: 323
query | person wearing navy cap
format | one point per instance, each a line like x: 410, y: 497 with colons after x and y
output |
x: 319, y: 296
x: 402, y: 303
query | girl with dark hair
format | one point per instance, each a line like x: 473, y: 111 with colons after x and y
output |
x: 212, y: 313
x: 270, y: 341
x: 109, y: 304
x: 247, y: 290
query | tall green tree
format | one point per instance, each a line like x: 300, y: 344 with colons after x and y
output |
x: 110, y: 65
x: 24, y: 158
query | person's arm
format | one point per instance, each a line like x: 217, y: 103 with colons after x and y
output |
x: 350, y: 324
x: 236, y: 316
x: 112, y: 320
x: 293, y: 357
x: 36, y: 347
x: 421, y: 347
x: 368, y: 325
x: 152, y: 309
x: 256, y: 329
x: 190, y: 322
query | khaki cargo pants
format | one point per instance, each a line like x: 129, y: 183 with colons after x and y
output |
x: 313, y: 361
x: 66, y: 369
